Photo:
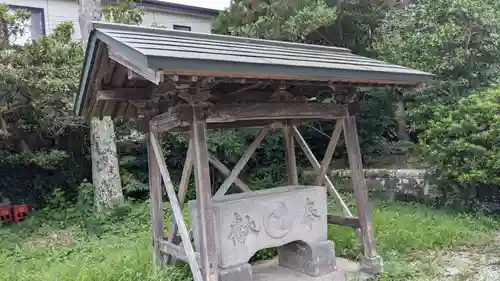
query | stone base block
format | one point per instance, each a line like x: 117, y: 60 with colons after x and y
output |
x: 271, y: 271
x: 238, y: 273
x: 372, y: 265
x: 312, y: 259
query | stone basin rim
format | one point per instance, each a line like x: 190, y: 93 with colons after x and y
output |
x: 265, y: 192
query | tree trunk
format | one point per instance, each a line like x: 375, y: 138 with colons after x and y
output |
x: 401, y: 118
x: 105, y: 167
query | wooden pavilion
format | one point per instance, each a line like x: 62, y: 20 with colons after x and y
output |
x: 174, y: 80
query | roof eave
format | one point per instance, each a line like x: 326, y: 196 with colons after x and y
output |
x: 88, y: 65
x: 139, y: 60
x: 213, y: 68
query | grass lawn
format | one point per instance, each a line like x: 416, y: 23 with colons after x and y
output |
x: 120, y: 250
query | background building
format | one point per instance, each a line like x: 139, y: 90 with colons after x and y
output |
x: 47, y: 14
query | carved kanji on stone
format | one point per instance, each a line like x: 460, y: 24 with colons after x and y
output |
x: 241, y: 227
x: 311, y: 213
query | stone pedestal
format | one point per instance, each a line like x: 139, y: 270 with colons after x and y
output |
x: 312, y: 259
x: 292, y: 218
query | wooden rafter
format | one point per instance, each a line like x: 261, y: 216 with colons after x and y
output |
x: 118, y: 79
x: 242, y: 162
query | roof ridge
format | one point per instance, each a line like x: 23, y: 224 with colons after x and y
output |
x: 116, y: 26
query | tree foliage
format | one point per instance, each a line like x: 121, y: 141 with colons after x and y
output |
x: 458, y: 40
x: 462, y: 143
x: 11, y: 24
x: 125, y: 11
x: 38, y: 84
x: 288, y: 20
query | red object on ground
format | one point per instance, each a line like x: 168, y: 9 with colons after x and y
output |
x: 20, y: 212
x: 5, y: 214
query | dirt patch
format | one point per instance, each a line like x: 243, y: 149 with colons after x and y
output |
x: 59, y: 238
x: 471, y: 264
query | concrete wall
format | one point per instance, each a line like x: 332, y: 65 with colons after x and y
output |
x: 391, y: 183
x: 57, y: 11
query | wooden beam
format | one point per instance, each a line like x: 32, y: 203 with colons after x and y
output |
x: 176, y: 251
x: 150, y: 74
x: 181, y: 193
x: 291, y: 162
x: 156, y: 204
x: 314, y: 162
x: 226, y: 172
x: 359, y: 186
x: 253, y: 115
x: 117, y: 80
x: 176, y: 209
x: 256, y: 124
x: 352, y: 222
x: 223, y: 113
x: 125, y: 94
x: 208, y: 250
x: 242, y: 162
x: 171, y: 119
x: 325, y: 164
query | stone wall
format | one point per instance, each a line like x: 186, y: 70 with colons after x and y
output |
x: 391, y: 183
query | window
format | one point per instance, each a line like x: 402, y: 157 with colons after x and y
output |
x: 34, y: 27
x: 182, y: 27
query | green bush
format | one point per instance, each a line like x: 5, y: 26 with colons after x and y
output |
x: 462, y: 143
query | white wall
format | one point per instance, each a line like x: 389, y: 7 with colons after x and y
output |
x: 57, y: 11
x: 169, y: 19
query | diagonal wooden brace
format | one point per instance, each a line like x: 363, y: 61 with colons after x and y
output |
x: 181, y: 194
x: 176, y: 209
x: 241, y: 164
x: 325, y: 164
x: 314, y: 162
x: 226, y: 172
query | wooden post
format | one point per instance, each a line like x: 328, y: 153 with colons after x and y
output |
x: 208, y: 254
x: 176, y: 209
x: 371, y: 262
x: 156, y: 204
x: 291, y: 163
